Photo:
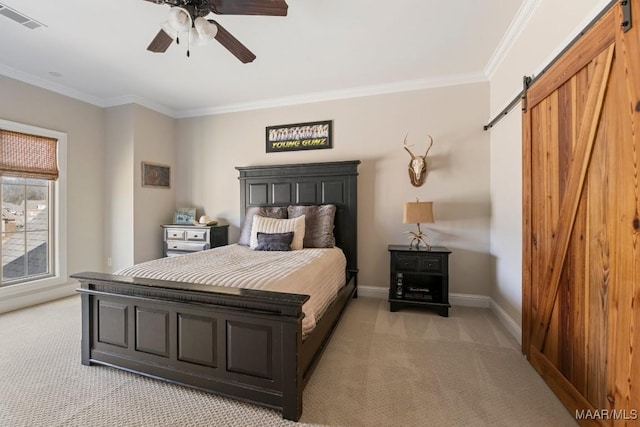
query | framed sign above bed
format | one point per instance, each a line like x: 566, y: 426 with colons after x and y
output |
x: 299, y: 136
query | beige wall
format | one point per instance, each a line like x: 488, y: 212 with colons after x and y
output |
x: 155, y: 139
x: 134, y: 214
x: 109, y: 215
x: 370, y: 129
x: 119, y: 188
x: 84, y: 125
x: 551, y: 27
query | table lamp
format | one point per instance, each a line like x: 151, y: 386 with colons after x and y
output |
x: 416, y: 213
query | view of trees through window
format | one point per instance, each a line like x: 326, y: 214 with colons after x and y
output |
x: 25, y: 228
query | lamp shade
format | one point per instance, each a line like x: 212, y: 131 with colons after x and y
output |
x: 195, y: 39
x: 418, y: 212
x: 179, y: 19
x: 206, y: 30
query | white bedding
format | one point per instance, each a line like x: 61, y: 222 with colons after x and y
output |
x: 319, y: 273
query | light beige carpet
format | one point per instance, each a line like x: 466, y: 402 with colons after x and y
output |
x: 409, y: 368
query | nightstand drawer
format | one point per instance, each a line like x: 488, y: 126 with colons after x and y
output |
x: 186, y: 246
x: 418, y: 262
x: 406, y: 262
x: 197, y: 235
x: 432, y: 264
x: 174, y: 234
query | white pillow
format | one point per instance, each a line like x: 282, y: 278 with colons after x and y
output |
x: 264, y: 224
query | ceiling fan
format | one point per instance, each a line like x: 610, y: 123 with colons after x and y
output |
x: 190, y: 16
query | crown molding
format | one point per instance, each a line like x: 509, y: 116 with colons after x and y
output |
x: 403, y: 86
x: 53, y: 87
x: 134, y: 99
x: 516, y: 27
x: 356, y: 92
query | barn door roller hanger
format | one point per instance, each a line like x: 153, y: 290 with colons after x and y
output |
x: 625, y: 5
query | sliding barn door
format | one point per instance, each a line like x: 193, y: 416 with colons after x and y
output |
x: 581, y: 278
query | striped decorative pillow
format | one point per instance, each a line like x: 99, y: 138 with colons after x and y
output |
x: 270, y: 211
x: 263, y: 224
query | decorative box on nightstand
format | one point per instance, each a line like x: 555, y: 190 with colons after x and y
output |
x: 419, y: 277
x: 184, y: 239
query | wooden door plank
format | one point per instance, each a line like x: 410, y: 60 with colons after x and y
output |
x: 581, y: 316
x: 573, y: 361
x: 527, y: 232
x: 597, y: 278
x: 624, y: 327
x: 550, y: 128
x: 586, y: 137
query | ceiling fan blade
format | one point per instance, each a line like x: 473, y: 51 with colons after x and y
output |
x: 232, y: 44
x: 160, y: 42
x: 249, y: 7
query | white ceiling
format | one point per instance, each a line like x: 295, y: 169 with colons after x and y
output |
x: 323, y: 49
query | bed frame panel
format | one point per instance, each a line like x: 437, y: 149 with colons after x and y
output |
x: 241, y: 343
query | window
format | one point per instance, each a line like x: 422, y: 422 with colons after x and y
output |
x: 32, y: 244
x: 26, y: 228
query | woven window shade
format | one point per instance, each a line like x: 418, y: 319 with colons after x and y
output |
x: 28, y: 156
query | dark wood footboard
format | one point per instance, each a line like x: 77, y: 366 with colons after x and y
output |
x: 239, y: 343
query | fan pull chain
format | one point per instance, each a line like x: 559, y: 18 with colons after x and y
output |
x: 188, y: 45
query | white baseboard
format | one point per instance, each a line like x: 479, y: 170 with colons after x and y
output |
x: 469, y: 300
x: 462, y: 300
x: 373, y: 292
x: 511, y: 325
x: 16, y: 301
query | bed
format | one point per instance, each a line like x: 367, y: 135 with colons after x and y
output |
x: 246, y: 344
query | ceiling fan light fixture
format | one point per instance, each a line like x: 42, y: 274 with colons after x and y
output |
x: 206, y: 30
x: 195, y: 39
x: 179, y: 19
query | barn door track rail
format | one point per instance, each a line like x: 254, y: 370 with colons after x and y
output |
x: 625, y: 24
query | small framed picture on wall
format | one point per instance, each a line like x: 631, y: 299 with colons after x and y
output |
x: 155, y: 175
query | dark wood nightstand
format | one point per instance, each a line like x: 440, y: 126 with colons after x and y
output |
x: 419, y: 277
x: 184, y: 239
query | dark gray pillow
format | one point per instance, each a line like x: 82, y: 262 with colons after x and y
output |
x: 318, y: 228
x: 274, y: 241
x: 268, y: 211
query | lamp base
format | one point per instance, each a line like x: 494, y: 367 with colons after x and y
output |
x: 416, y: 239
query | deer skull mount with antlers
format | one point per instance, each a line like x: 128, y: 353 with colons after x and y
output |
x: 417, y: 164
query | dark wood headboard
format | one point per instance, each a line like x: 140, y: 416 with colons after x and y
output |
x: 308, y: 184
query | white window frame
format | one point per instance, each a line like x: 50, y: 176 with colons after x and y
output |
x: 59, y: 226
